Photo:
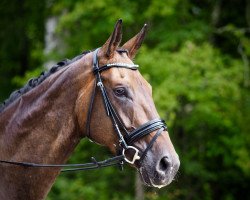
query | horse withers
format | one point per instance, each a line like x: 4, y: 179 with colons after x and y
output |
x: 99, y: 94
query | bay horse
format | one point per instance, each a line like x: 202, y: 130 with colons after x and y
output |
x: 99, y: 95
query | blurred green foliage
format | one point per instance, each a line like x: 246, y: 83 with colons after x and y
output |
x: 196, y: 56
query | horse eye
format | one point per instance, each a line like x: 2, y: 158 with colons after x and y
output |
x: 120, y: 92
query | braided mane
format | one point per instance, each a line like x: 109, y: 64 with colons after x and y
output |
x: 32, y: 83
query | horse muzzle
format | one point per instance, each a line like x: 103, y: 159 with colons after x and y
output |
x: 161, y: 163
x: 159, y: 173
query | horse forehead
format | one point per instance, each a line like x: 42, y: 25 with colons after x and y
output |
x: 132, y: 77
x: 118, y: 73
x: 118, y: 57
x: 121, y: 58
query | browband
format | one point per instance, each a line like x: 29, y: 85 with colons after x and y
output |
x: 118, y: 65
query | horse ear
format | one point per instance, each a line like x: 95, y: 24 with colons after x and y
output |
x: 114, y: 40
x: 135, y: 43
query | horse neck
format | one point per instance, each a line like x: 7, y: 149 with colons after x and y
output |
x: 42, y: 127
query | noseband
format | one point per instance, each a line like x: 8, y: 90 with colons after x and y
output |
x: 126, y: 138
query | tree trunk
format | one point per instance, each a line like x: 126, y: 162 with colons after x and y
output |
x: 139, y: 190
x: 248, y: 13
x: 215, y: 16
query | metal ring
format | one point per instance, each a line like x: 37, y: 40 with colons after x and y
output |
x: 135, y: 157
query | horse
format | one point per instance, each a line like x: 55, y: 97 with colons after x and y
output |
x: 99, y: 95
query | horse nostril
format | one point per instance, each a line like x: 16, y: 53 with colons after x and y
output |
x: 164, y: 164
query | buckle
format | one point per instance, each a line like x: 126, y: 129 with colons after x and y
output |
x: 135, y: 157
x: 99, y: 84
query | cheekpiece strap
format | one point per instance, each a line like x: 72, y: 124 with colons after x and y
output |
x: 95, y: 61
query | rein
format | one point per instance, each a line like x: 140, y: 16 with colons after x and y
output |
x: 126, y: 138
x: 72, y: 167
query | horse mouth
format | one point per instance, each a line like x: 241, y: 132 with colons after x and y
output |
x: 154, y: 179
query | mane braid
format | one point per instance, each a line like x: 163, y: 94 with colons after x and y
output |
x: 37, y: 81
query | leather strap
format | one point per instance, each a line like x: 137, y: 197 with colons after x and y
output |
x: 151, y: 143
x: 144, y: 130
x: 118, y: 65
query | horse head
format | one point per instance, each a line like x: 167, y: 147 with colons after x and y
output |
x: 122, y: 99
